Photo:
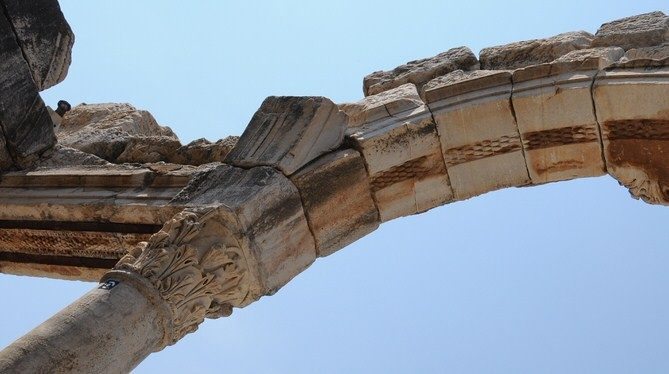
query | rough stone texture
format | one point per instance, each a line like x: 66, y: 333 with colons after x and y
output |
x: 631, y: 102
x: 532, y: 52
x: 478, y: 133
x: 262, y: 208
x: 605, y: 56
x: 382, y: 105
x: 114, y: 331
x: 643, y: 30
x: 24, y: 120
x: 402, y: 153
x: 658, y: 52
x: 202, y: 151
x: 112, y: 130
x: 556, y: 118
x: 421, y: 71
x: 45, y: 38
x: 287, y: 132
x: 337, y: 200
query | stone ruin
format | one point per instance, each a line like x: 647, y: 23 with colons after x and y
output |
x: 179, y: 233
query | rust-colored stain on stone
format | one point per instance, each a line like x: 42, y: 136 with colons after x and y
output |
x: 638, y: 154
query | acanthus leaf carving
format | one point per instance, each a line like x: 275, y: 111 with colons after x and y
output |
x: 196, y: 280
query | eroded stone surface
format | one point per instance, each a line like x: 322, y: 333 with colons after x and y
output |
x: 632, y: 111
x: 110, y: 130
x: 45, y: 38
x: 263, y: 209
x: 402, y: 153
x: 643, y: 30
x: 532, y: 52
x: 337, y: 199
x: 202, y: 151
x: 556, y: 118
x: 25, y: 121
x: 658, y: 52
x: 421, y: 71
x: 479, y: 138
x: 287, y: 132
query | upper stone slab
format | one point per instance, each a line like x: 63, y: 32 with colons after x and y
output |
x: 287, y: 132
x: 420, y: 72
x: 533, y: 52
x: 44, y: 37
x: 643, y: 30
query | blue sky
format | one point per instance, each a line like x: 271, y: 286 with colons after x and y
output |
x: 565, y: 277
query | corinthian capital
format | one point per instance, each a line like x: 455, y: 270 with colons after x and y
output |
x: 196, y: 268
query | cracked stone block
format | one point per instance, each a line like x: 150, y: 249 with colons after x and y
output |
x: 337, y: 199
x: 26, y: 124
x: 421, y: 71
x: 643, y: 30
x: 262, y: 209
x: 402, y: 154
x: 287, y: 132
x: 556, y: 118
x: 631, y: 102
x: 45, y: 39
x: 533, y: 52
x: 478, y: 133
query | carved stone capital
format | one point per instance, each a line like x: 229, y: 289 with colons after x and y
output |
x: 195, y: 267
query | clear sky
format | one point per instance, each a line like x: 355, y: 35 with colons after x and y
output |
x: 567, y: 277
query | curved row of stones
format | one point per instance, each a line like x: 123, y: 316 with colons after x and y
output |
x: 307, y: 176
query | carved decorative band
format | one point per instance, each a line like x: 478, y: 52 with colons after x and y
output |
x: 195, y: 281
x: 480, y: 150
x: 417, y: 168
x: 558, y: 137
x: 646, y: 129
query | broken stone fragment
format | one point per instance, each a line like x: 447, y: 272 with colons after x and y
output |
x: 337, y: 199
x: 479, y: 138
x: 421, y: 71
x: 631, y: 105
x: 402, y: 153
x: 287, y: 132
x: 533, y: 52
x: 45, y: 38
x: 113, y: 131
x: 25, y: 121
x: 65, y: 156
x: 259, y: 210
x: 202, y: 151
x: 643, y: 30
x: 381, y: 105
x: 605, y: 56
x: 657, y: 52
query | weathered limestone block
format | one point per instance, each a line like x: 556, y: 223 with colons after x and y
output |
x: 116, y: 133
x: 401, y: 151
x: 533, y: 52
x: 478, y: 132
x: 657, y: 52
x: 420, y: 72
x: 287, y: 132
x: 45, y: 38
x: 202, y: 151
x: 556, y: 118
x: 337, y: 200
x: 24, y: 120
x: 65, y: 156
x: 643, y: 30
x: 631, y: 102
x: 262, y: 212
